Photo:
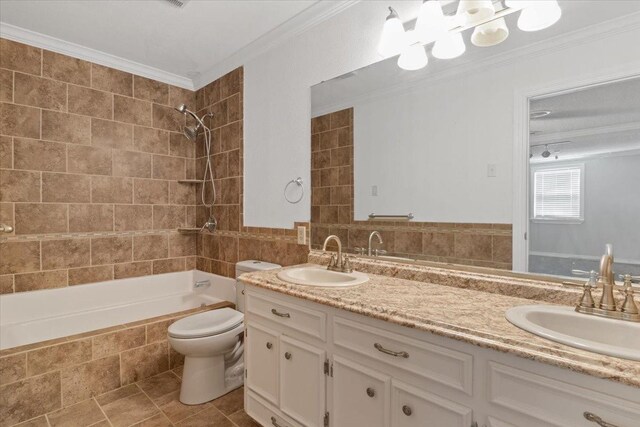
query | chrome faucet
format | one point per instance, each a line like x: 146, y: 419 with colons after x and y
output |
x: 373, y: 233
x: 607, y: 305
x: 340, y: 263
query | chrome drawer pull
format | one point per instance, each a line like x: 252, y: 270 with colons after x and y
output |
x: 275, y: 422
x: 596, y: 419
x: 406, y: 410
x: 380, y: 348
x: 269, y: 345
x: 287, y: 355
x: 277, y: 313
x: 371, y: 392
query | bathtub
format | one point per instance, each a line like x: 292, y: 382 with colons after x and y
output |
x: 32, y: 317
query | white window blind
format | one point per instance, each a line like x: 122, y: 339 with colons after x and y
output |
x: 557, y: 193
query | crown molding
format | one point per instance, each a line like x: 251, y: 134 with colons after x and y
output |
x: 549, y: 138
x: 53, y: 44
x: 303, y: 21
x: 557, y: 43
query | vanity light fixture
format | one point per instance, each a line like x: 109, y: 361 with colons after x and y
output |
x: 473, y: 12
x: 393, y: 39
x: 490, y: 34
x: 431, y: 24
x: 449, y: 47
x: 536, y: 15
x: 413, y: 58
x: 445, y: 31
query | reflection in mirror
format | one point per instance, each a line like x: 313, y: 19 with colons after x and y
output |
x: 439, y: 144
x: 584, y: 178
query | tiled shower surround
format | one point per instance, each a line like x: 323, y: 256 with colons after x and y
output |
x: 90, y: 160
x: 485, y: 245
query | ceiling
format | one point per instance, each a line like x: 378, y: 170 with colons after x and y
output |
x: 182, y: 43
x: 597, y: 120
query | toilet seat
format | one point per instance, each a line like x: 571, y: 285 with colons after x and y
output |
x: 206, y: 324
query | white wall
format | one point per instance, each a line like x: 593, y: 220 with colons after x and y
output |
x: 277, y: 104
x: 611, y: 213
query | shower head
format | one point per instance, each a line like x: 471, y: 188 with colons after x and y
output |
x: 182, y: 108
x: 191, y: 132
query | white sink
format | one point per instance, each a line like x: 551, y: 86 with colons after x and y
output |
x: 320, y: 276
x: 612, y: 337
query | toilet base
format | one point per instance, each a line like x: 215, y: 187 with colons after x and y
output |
x: 203, y: 379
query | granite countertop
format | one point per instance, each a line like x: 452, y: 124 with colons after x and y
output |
x: 468, y: 315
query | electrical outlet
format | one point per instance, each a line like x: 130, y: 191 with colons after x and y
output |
x: 302, y: 235
x: 492, y: 171
x: 374, y: 190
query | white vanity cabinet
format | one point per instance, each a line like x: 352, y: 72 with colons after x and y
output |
x: 285, y: 366
x: 312, y: 365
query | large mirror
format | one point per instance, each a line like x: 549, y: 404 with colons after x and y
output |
x: 523, y: 156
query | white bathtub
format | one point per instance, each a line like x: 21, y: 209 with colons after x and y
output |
x: 30, y: 317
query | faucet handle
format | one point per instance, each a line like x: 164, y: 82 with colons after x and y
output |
x: 629, y: 305
x: 378, y: 252
x: 592, y: 275
x: 346, y: 264
x: 359, y: 251
x: 627, y: 278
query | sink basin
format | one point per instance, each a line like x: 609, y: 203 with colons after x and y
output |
x: 320, y: 276
x: 612, y: 337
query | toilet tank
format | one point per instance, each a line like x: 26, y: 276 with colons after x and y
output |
x: 249, y: 266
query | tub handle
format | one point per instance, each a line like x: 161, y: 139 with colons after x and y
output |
x: 275, y: 422
x: 277, y: 313
x: 269, y: 345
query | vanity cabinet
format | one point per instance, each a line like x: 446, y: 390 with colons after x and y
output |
x: 310, y: 365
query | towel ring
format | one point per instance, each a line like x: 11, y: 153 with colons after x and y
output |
x: 298, y: 182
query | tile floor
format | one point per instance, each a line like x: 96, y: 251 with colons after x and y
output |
x: 152, y: 402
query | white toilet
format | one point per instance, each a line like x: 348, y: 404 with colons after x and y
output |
x: 211, y: 342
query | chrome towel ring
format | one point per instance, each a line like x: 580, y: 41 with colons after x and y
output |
x: 298, y: 182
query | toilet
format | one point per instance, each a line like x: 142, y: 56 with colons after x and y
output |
x: 211, y: 342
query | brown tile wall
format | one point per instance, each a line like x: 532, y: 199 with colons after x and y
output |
x: 40, y: 378
x: 233, y: 242
x: 486, y: 245
x: 90, y: 159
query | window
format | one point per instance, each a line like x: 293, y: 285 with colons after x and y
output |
x: 558, y: 193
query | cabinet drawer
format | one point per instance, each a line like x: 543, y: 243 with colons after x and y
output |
x: 449, y: 367
x: 412, y: 407
x: 305, y: 320
x: 263, y: 413
x: 262, y: 362
x: 554, y: 403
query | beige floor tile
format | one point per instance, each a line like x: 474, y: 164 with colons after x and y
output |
x: 36, y: 422
x: 230, y: 402
x: 241, y: 419
x: 160, y: 385
x: 120, y: 393
x: 81, y: 414
x: 159, y: 420
x: 210, y: 417
x: 129, y: 410
x: 175, y: 410
x: 178, y: 371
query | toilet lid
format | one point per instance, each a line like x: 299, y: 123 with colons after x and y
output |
x: 206, y: 324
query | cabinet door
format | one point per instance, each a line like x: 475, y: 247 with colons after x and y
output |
x: 412, y: 407
x: 360, y: 395
x: 261, y: 361
x: 302, y: 381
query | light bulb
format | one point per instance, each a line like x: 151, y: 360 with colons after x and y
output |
x: 431, y: 24
x: 393, y: 39
x: 449, y: 47
x: 539, y: 15
x: 474, y: 11
x: 413, y: 58
x: 491, y: 33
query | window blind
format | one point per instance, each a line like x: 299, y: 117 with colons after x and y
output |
x: 557, y: 193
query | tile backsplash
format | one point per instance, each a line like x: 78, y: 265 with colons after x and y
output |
x: 332, y: 198
x: 90, y: 159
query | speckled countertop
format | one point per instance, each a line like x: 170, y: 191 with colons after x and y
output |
x: 463, y: 314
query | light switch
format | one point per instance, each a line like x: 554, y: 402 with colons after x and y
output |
x: 374, y: 190
x: 302, y: 235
